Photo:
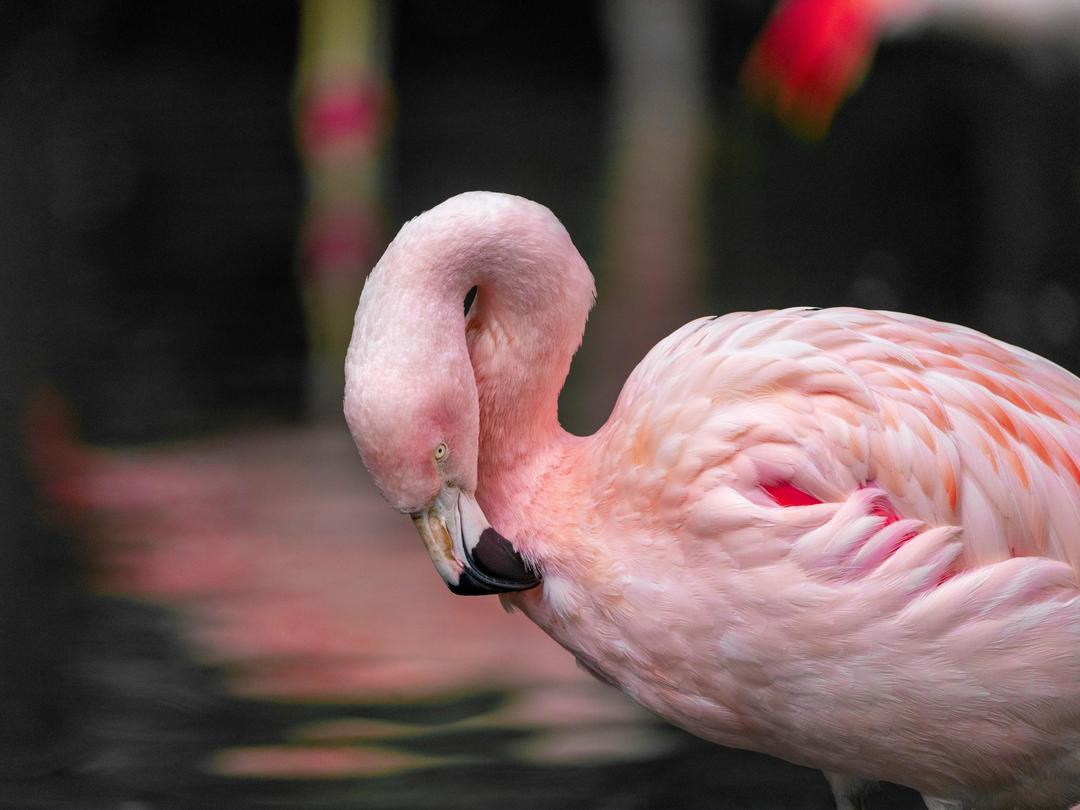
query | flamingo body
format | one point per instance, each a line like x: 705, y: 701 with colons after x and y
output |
x: 844, y: 538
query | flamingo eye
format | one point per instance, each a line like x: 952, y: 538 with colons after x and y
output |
x: 441, y: 451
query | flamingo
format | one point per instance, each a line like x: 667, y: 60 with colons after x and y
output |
x: 844, y: 538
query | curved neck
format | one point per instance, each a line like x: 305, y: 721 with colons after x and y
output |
x: 520, y: 360
x: 534, y: 293
x: 533, y: 297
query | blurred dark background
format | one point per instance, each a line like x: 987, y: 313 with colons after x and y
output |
x: 153, y: 188
x: 153, y: 194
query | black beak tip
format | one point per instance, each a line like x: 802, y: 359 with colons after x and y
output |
x: 469, y: 585
x: 493, y: 566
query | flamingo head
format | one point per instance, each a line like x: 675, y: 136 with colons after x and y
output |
x: 412, y: 407
x: 421, y: 451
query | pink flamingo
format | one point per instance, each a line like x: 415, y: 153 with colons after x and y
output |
x: 844, y: 538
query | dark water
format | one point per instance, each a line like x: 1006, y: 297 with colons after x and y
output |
x: 150, y: 719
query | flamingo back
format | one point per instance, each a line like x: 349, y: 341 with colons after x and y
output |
x: 955, y: 427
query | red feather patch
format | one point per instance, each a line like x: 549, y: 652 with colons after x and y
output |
x: 787, y: 494
x: 784, y: 493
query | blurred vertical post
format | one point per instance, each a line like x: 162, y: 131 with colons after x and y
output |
x: 341, y: 119
x: 650, y: 270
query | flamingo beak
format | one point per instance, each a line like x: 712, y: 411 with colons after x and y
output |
x: 470, y: 556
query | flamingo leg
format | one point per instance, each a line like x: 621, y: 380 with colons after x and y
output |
x: 847, y: 790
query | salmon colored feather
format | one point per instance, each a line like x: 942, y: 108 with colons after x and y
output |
x: 848, y: 539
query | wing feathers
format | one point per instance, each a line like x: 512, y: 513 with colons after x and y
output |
x: 957, y: 428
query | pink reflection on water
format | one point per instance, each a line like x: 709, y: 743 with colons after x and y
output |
x: 290, y: 573
x: 293, y: 762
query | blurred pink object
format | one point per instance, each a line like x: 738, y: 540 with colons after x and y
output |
x: 282, y: 559
x: 844, y: 538
x: 812, y: 54
x: 343, y: 114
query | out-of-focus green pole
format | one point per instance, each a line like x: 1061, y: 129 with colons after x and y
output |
x: 342, y: 112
